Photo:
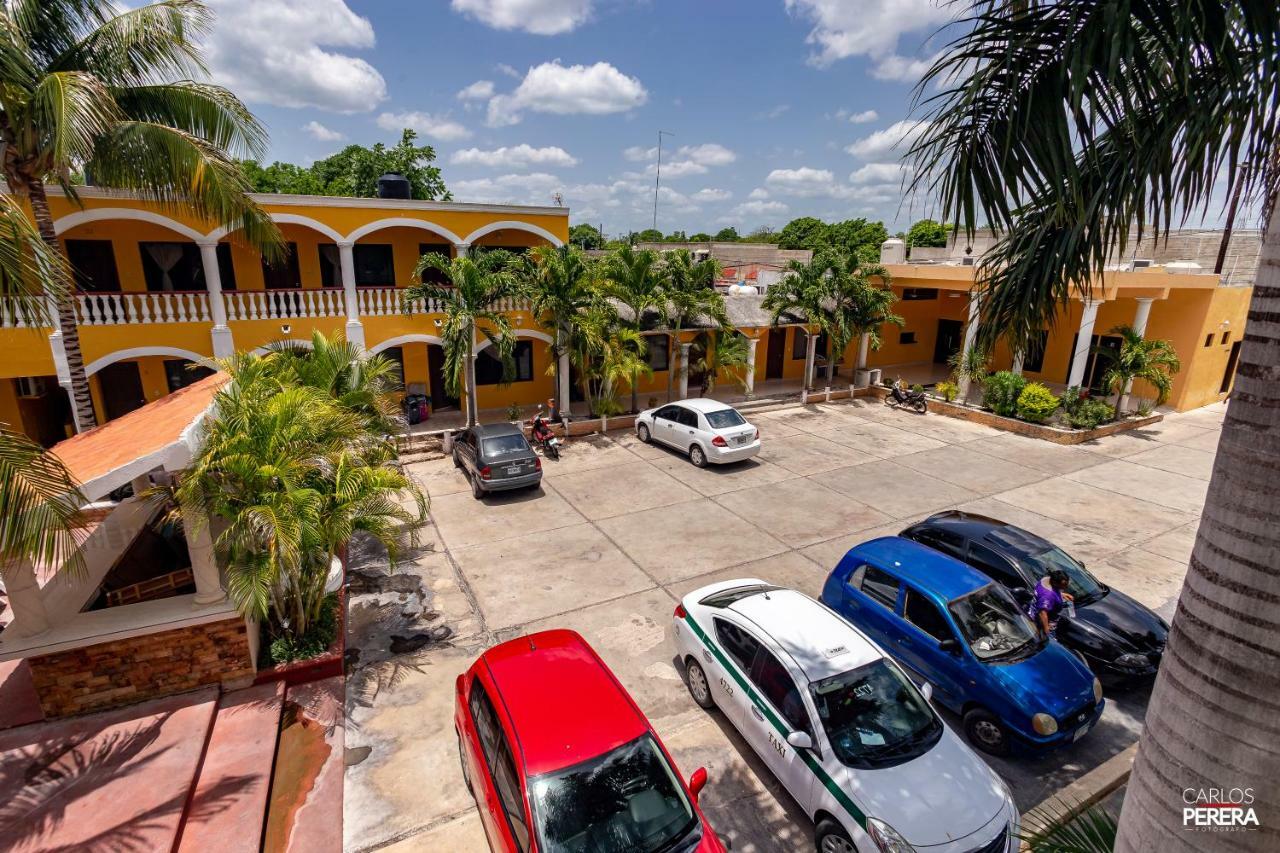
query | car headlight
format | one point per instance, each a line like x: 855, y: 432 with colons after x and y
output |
x: 887, y: 839
x: 1133, y: 660
x: 1097, y: 690
x: 1044, y: 724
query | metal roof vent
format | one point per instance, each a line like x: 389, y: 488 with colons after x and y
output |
x: 393, y: 185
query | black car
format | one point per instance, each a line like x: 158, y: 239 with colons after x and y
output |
x: 1118, y: 638
x: 496, y: 458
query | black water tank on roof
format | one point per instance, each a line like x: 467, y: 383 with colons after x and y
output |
x: 393, y: 185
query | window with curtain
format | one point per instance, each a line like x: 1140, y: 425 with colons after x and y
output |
x: 93, y: 263
x: 375, y: 265
x: 284, y: 274
x: 168, y: 267
x: 330, y: 265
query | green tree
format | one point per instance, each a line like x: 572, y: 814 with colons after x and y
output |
x: 83, y: 84
x: 857, y: 236
x: 633, y: 277
x: 763, y: 234
x: 727, y: 235
x: 689, y: 296
x: 723, y: 349
x: 1152, y: 360
x: 1073, y: 128
x: 700, y: 237
x: 558, y: 282
x: 362, y: 383
x: 285, y: 178
x: 806, y: 232
x: 354, y: 171
x: 469, y: 302
x: 858, y: 305
x: 648, y: 235
x: 926, y: 232
x: 586, y: 236
x: 608, y: 352
x: 675, y: 237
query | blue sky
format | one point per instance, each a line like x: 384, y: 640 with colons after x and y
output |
x: 779, y: 108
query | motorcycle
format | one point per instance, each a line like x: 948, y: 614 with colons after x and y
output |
x: 901, y: 396
x: 542, y: 435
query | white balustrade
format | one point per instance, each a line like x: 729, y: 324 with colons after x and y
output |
x: 119, y: 309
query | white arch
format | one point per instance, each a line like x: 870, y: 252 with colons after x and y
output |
x: 521, y: 333
x: 139, y: 352
x: 82, y: 217
x: 293, y: 343
x: 515, y: 226
x: 283, y: 219
x: 404, y: 222
x: 405, y: 339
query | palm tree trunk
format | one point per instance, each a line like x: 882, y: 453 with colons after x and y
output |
x: 1212, y: 719
x: 559, y: 404
x: 473, y: 411
x: 81, y: 399
x: 672, y: 363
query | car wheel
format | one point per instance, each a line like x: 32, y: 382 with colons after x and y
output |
x: 642, y: 433
x: 985, y: 731
x: 830, y: 837
x: 477, y: 491
x: 698, y: 457
x: 462, y: 759
x: 699, y: 688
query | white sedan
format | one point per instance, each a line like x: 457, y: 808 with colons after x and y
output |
x: 706, y: 430
x: 840, y: 724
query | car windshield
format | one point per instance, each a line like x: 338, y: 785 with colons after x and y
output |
x: 625, y: 800
x: 874, y: 715
x: 504, y: 445
x: 1084, y: 586
x: 992, y: 624
x: 724, y: 418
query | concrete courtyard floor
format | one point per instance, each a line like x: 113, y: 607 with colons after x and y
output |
x: 619, y: 530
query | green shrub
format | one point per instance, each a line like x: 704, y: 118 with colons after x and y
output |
x: 918, y: 388
x: 947, y: 390
x: 284, y: 647
x: 1090, y: 413
x: 1036, y: 403
x: 1000, y: 392
x: 513, y: 412
x: 1071, y: 399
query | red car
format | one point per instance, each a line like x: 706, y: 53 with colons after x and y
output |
x: 560, y: 759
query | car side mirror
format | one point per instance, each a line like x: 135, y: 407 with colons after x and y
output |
x: 800, y: 740
x: 698, y: 781
x: 950, y: 645
x: 926, y: 690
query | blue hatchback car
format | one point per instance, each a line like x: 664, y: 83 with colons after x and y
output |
x: 954, y: 628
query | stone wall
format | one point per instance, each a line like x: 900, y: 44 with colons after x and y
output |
x: 121, y: 672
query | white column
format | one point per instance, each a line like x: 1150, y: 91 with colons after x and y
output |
x: 751, y: 366
x: 1018, y: 358
x: 29, y: 616
x: 460, y: 249
x: 347, y: 262
x: 684, y: 371
x: 970, y: 336
x: 810, y: 359
x: 223, y: 345
x: 1140, y: 318
x: 203, y: 564
x: 1084, y: 340
x: 563, y: 370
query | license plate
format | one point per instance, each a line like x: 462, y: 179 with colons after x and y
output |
x: 1081, y: 732
x: 742, y: 439
x: 514, y: 469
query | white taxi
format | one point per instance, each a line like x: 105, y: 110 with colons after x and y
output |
x: 843, y: 728
x: 704, y: 429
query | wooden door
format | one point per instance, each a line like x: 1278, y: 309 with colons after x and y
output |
x: 121, y: 387
x: 776, y: 355
x: 435, y: 369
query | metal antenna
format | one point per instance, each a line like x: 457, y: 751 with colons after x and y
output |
x: 657, y: 181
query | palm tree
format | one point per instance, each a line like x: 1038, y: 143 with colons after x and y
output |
x: 1152, y: 360
x: 688, y: 296
x: 365, y: 384
x: 632, y: 277
x: 608, y: 352
x: 86, y: 86
x: 470, y: 299
x: 31, y: 272
x: 857, y: 307
x: 558, y: 283
x: 724, y: 349
x: 39, y: 519
x: 803, y: 292
x: 1070, y: 127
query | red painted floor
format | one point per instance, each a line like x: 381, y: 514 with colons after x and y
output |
x: 19, y: 704
x: 118, y: 780
x: 305, y: 814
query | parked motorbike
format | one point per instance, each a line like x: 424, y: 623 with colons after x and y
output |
x: 901, y: 396
x: 542, y: 435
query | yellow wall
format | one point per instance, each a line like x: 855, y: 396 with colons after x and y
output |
x: 10, y: 414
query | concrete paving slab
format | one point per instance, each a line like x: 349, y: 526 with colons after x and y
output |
x: 1177, y: 459
x: 1121, y: 517
x: 1174, y: 429
x: 801, y: 512
x: 627, y: 440
x: 1079, y: 541
x: 1123, y: 444
x: 1207, y: 440
x: 790, y: 569
x: 804, y: 418
x: 688, y: 539
x: 880, y: 439
x: 719, y: 479
x: 970, y: 469
x: 464, y: 521
x: 618, y: 489
x: 584, y: 453
x: 950, y: 430
x: 827, y: 554
x: 1150, y: 578
x: 1177, y: 544
x: 460, y: 833
x: 438, y: 477
x: 1032, y: 452
x: 809, y: 454
x: 529, y: 577
x: 895, y: 490
x: 1154, y: 485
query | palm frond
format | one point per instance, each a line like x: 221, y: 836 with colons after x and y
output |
x: 1062, y: 828
x: 135, y: 47
x: 203, y: 110
x: 32, y: 276
x: 72, y: 110
x: 40, y: 506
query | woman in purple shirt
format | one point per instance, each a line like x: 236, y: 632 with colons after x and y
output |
x: 1049, y: 601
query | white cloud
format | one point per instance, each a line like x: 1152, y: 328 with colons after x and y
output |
x: 504, y: 68
x: 878, y: 173
x: 316, y: 130
x: 759, y: 208
x: 640, y: 154
x: 711, y: 194
x: 557, y: 89
x: 805, y: 181
x: 678, y: 169
x: 868, y: 28
x: 442, y: 128
x: 540, y: 17
x: 758, y: 193
x: 685, y: 160
x: 864, y: 117
x: 904, y: 69
x: 481, y: 90
x: 777, y: 112
x: 514, y: 157
x: 275, y: 53
x: 708, y: 154
x: 894, y: 140
x: 532, y: 188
